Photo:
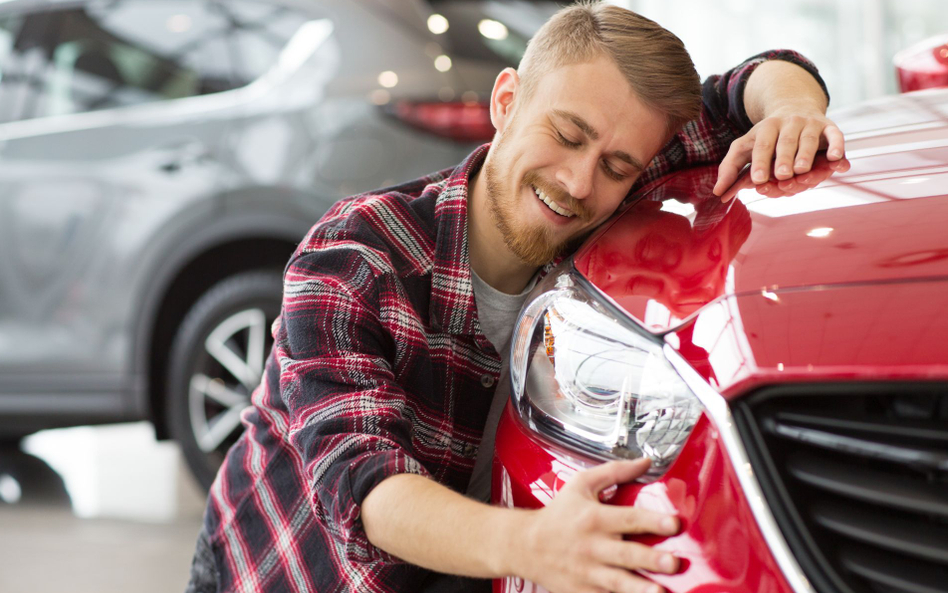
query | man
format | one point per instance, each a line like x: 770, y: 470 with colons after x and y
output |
x: 368, y: 426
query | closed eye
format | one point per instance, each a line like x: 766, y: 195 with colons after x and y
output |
x: 563, y: 140
x: 611, y: 173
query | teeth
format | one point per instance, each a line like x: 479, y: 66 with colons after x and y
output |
x: 551, y: 204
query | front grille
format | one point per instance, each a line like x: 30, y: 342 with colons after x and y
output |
x: 857, y: 478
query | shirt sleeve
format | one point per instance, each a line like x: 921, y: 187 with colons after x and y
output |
x: 348, y: 417
x: 723, y: 118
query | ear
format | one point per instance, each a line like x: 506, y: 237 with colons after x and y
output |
x: 506, y: 89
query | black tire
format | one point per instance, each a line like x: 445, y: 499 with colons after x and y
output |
x: 205, y: 393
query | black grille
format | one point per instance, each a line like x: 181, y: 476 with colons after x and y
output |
x: 857, y: 478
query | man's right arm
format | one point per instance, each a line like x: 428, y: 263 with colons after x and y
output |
x: 573, y: 544
x: 349, y: 419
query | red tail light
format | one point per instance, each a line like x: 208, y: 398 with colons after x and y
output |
x: 463, y: 122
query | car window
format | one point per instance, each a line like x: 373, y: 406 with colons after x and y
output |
x: 103, y: 55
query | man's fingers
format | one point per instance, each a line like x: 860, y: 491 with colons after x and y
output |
x: 617, y: 580
x: 809, y: 144
x: 635, y: 556
x: 787, y: 143
x: 635, y: 520
x: 595, y: 480
x: 737, y: 156
x: 836, y: 142
x: 763, y: 153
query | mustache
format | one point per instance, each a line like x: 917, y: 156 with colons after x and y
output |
x: 558, y: 195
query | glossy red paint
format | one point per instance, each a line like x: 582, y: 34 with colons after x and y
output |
x: 678, y: 248
x: 923, y: 66
x: 893, y: 331
x: 720, y: 545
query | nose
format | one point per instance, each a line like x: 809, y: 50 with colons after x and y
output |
x: 577, y: 174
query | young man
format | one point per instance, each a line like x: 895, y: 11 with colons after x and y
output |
x: 372, y: 422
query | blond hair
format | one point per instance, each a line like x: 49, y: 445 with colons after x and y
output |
x: 652, y: 59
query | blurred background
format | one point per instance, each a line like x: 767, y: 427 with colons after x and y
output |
x: 159, y: 161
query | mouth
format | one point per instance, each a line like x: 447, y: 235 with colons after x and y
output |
x: 551, y: 204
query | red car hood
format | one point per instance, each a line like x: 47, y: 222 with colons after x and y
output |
x: 677, y: 248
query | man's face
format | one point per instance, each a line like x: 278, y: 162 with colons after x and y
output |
x: 578, y: 143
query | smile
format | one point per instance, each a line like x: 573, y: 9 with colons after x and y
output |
x: 551, y: 204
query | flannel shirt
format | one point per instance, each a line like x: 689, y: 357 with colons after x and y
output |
x: 379, y: 367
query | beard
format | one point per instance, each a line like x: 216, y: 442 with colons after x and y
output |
x: 534, y: 244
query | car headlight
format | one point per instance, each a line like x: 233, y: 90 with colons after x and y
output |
x: 585, y: 376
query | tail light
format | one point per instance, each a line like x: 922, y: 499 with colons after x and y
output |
x: 462, y: 122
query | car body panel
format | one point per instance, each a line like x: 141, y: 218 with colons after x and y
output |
x: 720, y: 545
x: 882, y: 221
x: 880, y: 332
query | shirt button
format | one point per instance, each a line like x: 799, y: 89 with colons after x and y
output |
x: 469, y: 450
x: 487, y: 381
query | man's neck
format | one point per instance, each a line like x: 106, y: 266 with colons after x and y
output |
x: 490, y: 257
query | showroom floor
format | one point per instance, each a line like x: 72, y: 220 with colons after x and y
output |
x: 96, y: 510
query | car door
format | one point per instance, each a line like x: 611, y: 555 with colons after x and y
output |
x: 112, y: 117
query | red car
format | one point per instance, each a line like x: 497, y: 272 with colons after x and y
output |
x: 783, y: 363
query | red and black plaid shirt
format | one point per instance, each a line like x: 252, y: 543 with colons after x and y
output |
x: 379, y: 367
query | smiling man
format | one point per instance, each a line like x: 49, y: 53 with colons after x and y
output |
x: 365, y: 464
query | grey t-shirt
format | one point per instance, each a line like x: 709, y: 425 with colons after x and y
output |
x: 497, y: 312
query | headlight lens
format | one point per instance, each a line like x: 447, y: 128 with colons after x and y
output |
x: 586, y: 377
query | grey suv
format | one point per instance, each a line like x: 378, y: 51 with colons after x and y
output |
x: 159, y: 161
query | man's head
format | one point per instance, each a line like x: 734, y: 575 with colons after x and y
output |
x: 598, y: 93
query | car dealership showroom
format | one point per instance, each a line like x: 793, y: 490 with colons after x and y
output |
x: 249, y: 341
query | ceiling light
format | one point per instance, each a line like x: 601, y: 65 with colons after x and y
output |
x: 437, y: 24
x: 388, y: 79
x: 443, y: 63
x: 492, y: 29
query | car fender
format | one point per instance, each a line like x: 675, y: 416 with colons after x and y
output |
x: 269, y: 217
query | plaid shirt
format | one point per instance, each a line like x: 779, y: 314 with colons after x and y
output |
x: 379, y: 367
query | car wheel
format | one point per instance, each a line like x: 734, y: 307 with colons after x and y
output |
x: 215, y: 363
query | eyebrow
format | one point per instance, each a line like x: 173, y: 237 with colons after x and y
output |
x: 592, y: 133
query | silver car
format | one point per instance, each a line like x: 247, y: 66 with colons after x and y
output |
x: 159, y: 161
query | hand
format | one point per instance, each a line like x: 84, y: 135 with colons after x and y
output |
x: 575, y: 545
x: 821, y: 170
x: 795, y: 134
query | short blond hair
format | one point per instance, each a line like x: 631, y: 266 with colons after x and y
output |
x: 652, y: 59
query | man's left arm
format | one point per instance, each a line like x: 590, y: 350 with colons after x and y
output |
x: 750, y: 102
x: 787, y: 107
